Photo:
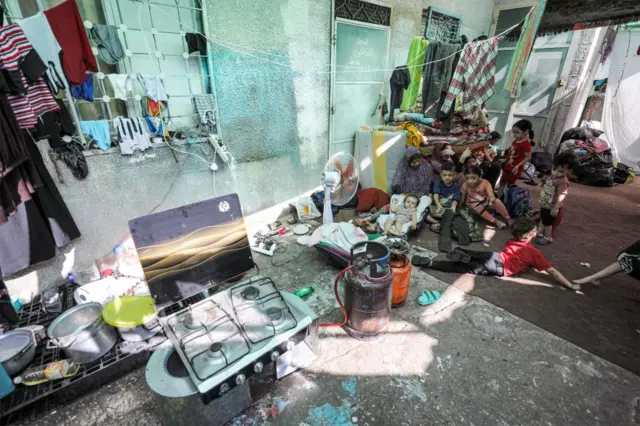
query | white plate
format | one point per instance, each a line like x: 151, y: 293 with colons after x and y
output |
x: 301, y: 229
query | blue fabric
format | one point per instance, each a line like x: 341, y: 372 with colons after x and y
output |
x: 155, y: 128
x: 415, y: 117
x: 99, y: 131
x: 85, y: 90
x: 448, y: 194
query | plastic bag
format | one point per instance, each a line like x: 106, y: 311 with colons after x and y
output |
x: 306, y: 209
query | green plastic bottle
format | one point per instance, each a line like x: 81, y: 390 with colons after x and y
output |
x: 304, y: 291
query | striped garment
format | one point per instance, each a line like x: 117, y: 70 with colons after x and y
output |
x: 474, y: 75
x: 14, y: 47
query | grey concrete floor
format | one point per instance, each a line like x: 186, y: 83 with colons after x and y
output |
x: 460, y: 361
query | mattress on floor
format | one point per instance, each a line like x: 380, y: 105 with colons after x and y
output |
x: 379, y: 153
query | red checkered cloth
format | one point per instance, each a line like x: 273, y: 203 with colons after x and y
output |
x: 474, y: 75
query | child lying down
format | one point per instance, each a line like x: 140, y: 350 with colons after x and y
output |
x: 517, y: 255
x: 408, y: 213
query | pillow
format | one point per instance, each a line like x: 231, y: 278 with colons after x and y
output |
x: 371, y: 197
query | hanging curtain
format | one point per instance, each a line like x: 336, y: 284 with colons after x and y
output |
x: 415, y: 59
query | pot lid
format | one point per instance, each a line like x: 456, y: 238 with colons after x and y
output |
x: 129, y: 311
x: 13, y: 342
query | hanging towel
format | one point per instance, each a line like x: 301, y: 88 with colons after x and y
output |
x: 67, y: 26
x: 513, y: 82
x: 399, y: 81
x: 437, y: 75
x: 415, y: 59
x: 99, y: 131
x: 153, y: 87
x: 474, y: 75
x: 84, y: 90
x: 121, y: 85
x: 39, y: 33
x: 196, y: 43
x: 108, y: 43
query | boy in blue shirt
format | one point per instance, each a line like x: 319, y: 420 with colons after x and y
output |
x: 446, y: 196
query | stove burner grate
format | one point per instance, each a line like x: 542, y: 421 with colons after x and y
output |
x: 273, y: 316
x: 194, y: 320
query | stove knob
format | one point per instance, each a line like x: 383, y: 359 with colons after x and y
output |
x: 274, y: 355
x: 290, y: 345
x: 240, y: 378
x: 224, y: 388
x: 258, y: 367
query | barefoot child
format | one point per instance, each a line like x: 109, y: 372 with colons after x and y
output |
x: 628, y: 261
x: 478, y: 194
x: 408, y: 213
x: 446, y: 193
x: 517, y: 255
x: 554, y: 191
x: 519, y: 153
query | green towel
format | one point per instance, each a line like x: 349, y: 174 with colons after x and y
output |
x: 520, y: 58
x: 417, y: 53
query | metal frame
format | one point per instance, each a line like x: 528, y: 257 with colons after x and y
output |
x: 572, y: 49
x: 332, y: 88
x: 430, y: 11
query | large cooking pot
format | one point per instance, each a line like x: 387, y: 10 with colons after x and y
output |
x: 17, y: 349
x: 82, y: 333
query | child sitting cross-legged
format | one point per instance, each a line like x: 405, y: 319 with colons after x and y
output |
x: 478, y: 194
x: 517, y: 255
x: 554, y: 191
x: 445, y: 194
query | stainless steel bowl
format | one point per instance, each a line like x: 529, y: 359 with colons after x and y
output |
x: 17, y: 349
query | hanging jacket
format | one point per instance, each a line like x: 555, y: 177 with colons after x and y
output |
x: 399, y: 82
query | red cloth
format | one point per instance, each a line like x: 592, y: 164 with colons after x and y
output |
x: 371, y: 197
x: 516, y: 156
x: 67, y: 26
x: 518, y: 255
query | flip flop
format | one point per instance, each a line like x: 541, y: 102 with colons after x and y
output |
x: 542, y: 241
x: 428, y: 297
x: 418, y: 260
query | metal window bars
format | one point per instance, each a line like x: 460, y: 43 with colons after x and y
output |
x: 362, y: 11
x: 440, y: 25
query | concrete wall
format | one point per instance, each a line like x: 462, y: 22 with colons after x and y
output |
x: 274, y: 117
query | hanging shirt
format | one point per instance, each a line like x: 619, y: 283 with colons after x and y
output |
x: 474, y: 75
x: 15, y: 48
x: 67, y: 26
x: 37, y: 29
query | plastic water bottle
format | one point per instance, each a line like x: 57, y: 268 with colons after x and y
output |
x: 304, y: 291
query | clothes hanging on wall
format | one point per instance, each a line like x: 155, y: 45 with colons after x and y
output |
x: 55, y: 124
x: 38, y: 31
x: 399, y: 81
x: 196, y: 43
x: 29, y: 95
x: 474, y: 75
x: 204, y: 105
x: 441, y: 62
x: 84, y: 91
x: 520, y: 58
x: 67, y: 26
x: 108, y: 42
x: 99, y: 131
x: 121, y: 84
x: 153, y: 87
x: 415, y: 59
x: 132, y: 135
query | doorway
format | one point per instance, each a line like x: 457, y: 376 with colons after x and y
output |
x: 542, y: 85
x: 358, y: 84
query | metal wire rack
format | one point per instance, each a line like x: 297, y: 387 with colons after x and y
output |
x: 32, y: 402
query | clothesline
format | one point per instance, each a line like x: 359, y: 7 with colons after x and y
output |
x: 228, y: 44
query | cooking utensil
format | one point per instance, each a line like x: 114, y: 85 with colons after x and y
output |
x: 82, y: 333
x: 133, y: 316
x: 17, y: 349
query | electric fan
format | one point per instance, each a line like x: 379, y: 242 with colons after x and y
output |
x: 340, y: 179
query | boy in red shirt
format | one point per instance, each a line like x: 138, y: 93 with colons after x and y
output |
x: 518, y: 255
x: 519, y: 153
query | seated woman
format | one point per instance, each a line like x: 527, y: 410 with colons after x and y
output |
x: 478, y: 195
x: 414, y: 175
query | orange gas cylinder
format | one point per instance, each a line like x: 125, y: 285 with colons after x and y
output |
x: 401, y: 269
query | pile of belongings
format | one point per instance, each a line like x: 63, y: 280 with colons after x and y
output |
x: 595, y: 160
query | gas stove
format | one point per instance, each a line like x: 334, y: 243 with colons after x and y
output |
x: 230, y: 336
